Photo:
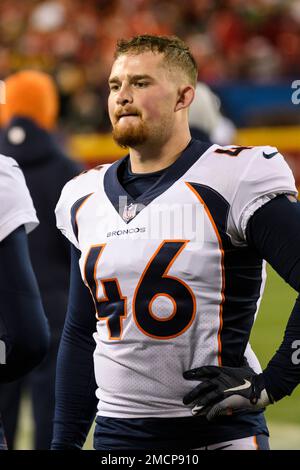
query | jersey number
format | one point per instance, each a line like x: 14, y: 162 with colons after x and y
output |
x: 154, y: 282
x: 233, y: 151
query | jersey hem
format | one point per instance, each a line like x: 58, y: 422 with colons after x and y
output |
x: 160, y: 414
x: 16, y: 220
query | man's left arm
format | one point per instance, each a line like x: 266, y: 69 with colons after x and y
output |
x: 23, y: 325
x: 274, y: 232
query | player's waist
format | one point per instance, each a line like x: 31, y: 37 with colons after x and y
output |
x: 178, y: 432
x: 151, y: 386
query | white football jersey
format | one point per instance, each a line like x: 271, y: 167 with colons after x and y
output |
x: 174, y: 283
x: 16, y: 206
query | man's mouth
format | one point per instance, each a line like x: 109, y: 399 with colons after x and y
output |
x: 124, y: 115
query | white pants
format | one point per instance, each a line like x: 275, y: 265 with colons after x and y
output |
x: 246, y: 443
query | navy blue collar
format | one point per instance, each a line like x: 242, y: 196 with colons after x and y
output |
x: 121, y: 199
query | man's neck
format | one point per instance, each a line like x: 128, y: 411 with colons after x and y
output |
x: 150, y: 158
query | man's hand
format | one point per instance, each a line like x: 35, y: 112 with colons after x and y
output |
x: 226, y: 390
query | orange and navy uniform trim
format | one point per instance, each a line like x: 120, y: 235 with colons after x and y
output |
x: 222, y: 269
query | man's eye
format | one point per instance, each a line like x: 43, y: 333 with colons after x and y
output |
x: 140, y: 84
x: 114, y: 87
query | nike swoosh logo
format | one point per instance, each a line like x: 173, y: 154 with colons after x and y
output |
x: 245, y: 385
x: 269, y: 155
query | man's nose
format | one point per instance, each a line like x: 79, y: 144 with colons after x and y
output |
x: 124, y: 95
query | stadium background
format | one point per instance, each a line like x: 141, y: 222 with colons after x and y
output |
x: 247, y: 52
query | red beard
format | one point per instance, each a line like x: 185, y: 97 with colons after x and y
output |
x: 130, y: 136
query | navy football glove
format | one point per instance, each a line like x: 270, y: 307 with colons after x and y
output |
x: 226, y: 390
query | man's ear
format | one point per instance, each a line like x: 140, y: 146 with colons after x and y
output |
x: 185, y: 97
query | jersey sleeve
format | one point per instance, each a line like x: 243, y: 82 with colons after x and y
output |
x: 63, y: 213
x: 266, y: 175
x: 73, y: 195
x: 16, y: 206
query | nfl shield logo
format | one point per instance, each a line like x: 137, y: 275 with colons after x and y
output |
x: 129, y: 212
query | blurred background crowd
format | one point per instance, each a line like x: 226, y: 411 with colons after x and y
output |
x: 73, y: 40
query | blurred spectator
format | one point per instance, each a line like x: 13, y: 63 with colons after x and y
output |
x: 29, y: 117
x: 206, y: 120
x: 73, y: 40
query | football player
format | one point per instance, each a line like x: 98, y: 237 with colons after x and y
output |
x: 29, y: 118
x: 24, y: 332
x: 167, y: 274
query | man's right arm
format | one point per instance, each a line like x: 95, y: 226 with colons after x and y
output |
x: 76, y: 401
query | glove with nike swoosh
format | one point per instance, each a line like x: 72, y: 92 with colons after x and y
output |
x: 226, y: 390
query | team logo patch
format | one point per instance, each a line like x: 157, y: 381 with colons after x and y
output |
x: 129, y: 212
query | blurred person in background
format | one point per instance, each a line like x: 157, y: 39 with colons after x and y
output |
x: 24, y: 332
x: 28, y: 119
x: 206, y: 120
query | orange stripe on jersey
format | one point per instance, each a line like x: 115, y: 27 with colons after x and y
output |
x: 222, y: 269
x: 80, y: 207
x: 75, y: 210
x: 255, y: 443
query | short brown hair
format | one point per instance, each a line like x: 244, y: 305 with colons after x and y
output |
x: 175, y: 51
